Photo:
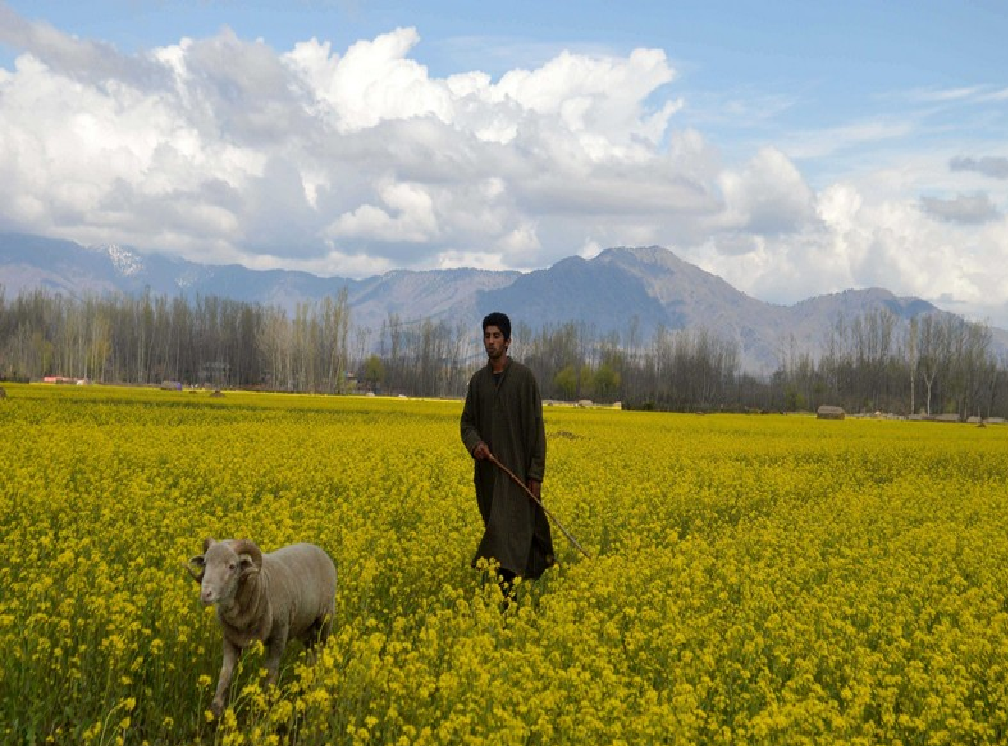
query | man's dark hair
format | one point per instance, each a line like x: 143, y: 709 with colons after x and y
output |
x: 500, y: 320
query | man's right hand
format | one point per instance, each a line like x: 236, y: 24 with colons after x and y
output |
x: 481, y: 452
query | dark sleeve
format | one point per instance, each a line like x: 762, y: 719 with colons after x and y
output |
x: 537, y: 432
x: 470, y: 421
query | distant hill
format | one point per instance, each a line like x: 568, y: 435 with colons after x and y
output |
x: 649, y: 287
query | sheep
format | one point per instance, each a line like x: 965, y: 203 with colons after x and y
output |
x: 273, y: 597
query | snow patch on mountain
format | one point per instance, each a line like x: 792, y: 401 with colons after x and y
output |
x: 125, y: 262
x: 190, y: 277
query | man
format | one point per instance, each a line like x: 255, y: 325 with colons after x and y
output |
x: 503, y: 416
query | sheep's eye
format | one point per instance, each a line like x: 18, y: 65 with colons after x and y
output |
x: 232, y: 566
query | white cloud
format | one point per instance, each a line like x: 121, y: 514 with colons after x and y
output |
x: 374, y: 81
x: 522, y: 241
x: 768, y: 196
x: 964, y: 94
x: 357, y: 161
x: 407, y: 217
x: 943, y: 95
x: 860, y: 243
x: 590, y: 249
x: 475, y: 259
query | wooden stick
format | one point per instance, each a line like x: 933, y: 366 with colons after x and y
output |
x: 537, y: 501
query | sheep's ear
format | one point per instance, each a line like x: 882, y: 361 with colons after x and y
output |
x: 197, y: 567
x: 206, y: 544
x: 248, y: 564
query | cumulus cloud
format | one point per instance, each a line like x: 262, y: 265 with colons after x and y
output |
x: 356, y: 161
x: 861, y: 242
x: 768, y: 196
x: 221, y: 148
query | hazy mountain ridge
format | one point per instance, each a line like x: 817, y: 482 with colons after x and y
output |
x: 647, y: 286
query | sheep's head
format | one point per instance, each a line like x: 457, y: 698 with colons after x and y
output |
x: 221, y: 568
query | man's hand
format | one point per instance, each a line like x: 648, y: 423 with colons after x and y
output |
x: 481, y: 452
x: 535, y: 487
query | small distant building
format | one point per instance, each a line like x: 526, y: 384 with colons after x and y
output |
x: 829, y: 412
x: 64, y: 380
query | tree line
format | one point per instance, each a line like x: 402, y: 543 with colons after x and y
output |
x: 935, y: 363
x: 209, y: 341
x: 932, y: 364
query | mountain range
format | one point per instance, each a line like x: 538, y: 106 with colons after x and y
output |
x: 649, y: 287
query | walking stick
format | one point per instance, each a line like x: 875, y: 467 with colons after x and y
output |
x: 537, y: 501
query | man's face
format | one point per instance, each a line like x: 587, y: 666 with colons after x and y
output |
x: 494, y: 342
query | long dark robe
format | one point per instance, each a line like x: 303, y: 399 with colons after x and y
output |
x: 507, y: 416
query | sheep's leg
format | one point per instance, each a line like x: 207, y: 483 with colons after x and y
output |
x: 231, y: 654
x: 316, y: 635
x: 274, y: 652
x: 326, y: 628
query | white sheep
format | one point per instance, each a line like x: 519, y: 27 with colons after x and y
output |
x: 274, y: 597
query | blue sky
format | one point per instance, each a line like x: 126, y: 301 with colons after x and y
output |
x: 792, y: 148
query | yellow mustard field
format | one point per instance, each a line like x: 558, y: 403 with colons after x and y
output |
x: 754, y: 579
